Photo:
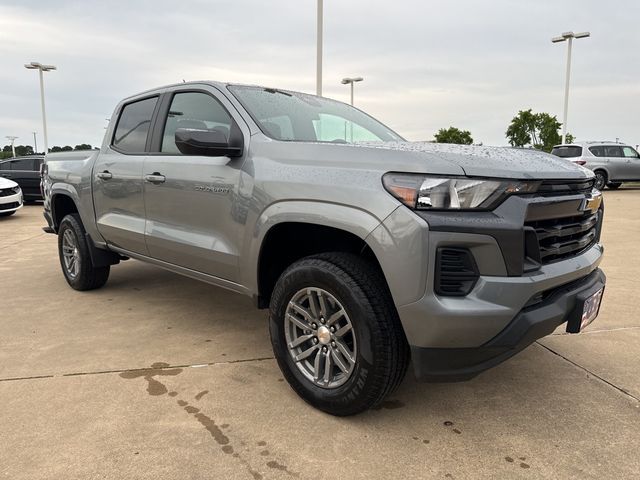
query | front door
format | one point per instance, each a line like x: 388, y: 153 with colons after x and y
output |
x: 189, y: 199
x: 117, y: 179
x: 632, y: 164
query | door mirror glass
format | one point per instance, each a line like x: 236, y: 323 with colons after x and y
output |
x: 212, y: 143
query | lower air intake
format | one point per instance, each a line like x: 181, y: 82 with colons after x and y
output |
x: 456, y: 272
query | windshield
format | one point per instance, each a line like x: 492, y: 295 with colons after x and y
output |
x: 285, y: 115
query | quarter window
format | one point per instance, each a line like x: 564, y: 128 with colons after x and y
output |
x: 133, y: 126
x: 194, y: 110
x: 597, y: 151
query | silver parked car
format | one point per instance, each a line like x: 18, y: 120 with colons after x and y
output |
x: 613, y: 163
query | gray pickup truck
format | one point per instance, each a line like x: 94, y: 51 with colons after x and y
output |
x: 369, y: 251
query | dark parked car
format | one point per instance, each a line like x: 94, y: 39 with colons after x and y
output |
x: 25, y: 171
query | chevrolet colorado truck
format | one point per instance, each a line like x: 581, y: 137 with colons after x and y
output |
x: 369, y: 251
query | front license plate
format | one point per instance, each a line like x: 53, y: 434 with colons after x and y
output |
x: 591, y: 308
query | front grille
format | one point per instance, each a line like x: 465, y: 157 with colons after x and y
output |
x: 456, y: 272
x: 7, y: 192
x: 9, y: 206
x: 565, y: 187
x: 560, y: 238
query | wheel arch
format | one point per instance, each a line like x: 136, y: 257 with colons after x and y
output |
x: 289, y: 231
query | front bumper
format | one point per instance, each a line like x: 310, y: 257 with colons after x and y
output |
x: 530, y: 324
x: 11, y: 203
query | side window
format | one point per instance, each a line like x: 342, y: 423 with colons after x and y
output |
x: 612, y: 151
x: 629, y: 152
x: 194, y: 110
x: 597, y: 151
x: 24, y: 164
x: 133, y: 126
x: 4, y: 166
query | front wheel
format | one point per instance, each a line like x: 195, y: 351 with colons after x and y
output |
x: 75, y: 259
x: 336, y: 333
x: 601, y: 179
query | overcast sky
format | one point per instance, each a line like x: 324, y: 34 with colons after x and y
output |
x: 427, y: 64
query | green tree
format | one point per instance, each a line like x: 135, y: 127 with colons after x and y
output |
x: 453, y: 135
x: 83, y: 146
x: 24, y: 150
x: 537, y: 130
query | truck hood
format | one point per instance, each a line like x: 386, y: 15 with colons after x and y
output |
x: 503, y: 162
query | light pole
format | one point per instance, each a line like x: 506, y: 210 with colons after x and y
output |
x: 567, y: 36
x: 12, y: 139
x: 319, y: 50
x: 35, y: 143
x: 351, y: 81
x: 42, y: 68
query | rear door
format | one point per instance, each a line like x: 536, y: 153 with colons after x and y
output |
x: 615, y: 161
x: 117, y: 177
x: 631, y: 167
x: 192, y: 202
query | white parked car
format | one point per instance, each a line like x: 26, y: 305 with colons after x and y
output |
x: 10, y: 197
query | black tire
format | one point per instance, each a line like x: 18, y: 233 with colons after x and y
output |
x: 86, y: 277
x: 7, y: 214
x: 382, y: 356
x: 601, y: 179
x: 614, y: 185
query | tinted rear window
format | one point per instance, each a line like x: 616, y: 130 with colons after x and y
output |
x: 567, y: 152
x: 612, y: 151
x: 133, y: 126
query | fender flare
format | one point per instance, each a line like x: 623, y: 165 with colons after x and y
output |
x: 349, y: 219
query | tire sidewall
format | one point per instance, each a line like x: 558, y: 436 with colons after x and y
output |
x: 601, y: 175
x: 353, y: 391
x: 71, y: 224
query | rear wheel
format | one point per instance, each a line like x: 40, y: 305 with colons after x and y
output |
x: 614, y: 185
x: 336, y: 333
x: 601, y: 179
x: 75, y: 259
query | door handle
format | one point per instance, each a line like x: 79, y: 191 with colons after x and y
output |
x: 106, y: 175
x: 155, y: 177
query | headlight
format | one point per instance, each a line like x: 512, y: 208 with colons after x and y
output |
x: 454, y: 193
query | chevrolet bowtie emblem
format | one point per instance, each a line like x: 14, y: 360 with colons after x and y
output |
x: 591, y: 204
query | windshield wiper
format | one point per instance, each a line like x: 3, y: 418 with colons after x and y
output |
x: 275, y: 90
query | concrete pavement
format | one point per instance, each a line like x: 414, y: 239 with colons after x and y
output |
x: 159, y: 376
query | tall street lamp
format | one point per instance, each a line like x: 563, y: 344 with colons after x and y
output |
x: 42, y: 68
x: 35, y: 143
x: 12, y: 139
x: 351, y: 81
x: 568, y: 37
x: 319, y: 49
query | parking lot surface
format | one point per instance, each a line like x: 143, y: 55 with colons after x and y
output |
x: 159, y: 376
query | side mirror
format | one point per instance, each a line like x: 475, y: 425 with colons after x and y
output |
x: 211, y: 143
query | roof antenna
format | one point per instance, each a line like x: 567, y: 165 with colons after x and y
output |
x: 183, y: 81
